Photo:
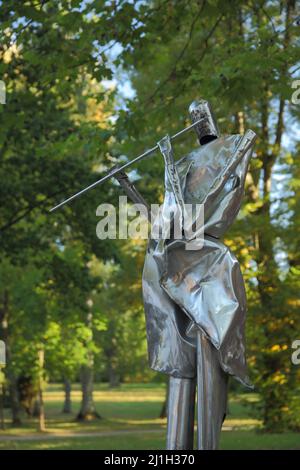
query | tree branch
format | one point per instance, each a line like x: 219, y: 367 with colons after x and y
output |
x: 27, y: 210
x: 180, y: 56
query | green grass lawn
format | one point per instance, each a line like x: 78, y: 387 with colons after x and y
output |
x: 130, y: 413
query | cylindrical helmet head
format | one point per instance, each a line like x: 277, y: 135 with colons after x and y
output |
x: 207, y: 130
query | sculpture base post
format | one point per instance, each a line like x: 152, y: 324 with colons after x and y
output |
x: 181, y: 413
x: 212, y: 384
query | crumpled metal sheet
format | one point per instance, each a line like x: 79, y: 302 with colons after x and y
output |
x: 170, y: 350
x: 188, y: 289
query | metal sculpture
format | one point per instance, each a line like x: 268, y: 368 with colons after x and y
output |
x: 194, y: 299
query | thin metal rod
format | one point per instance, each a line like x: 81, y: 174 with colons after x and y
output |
x: 117, y: 170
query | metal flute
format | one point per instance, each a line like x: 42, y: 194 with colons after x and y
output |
x: 114, y: 171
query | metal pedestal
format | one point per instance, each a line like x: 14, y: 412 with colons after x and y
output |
x: 212, y: 385
x: 180, y: 413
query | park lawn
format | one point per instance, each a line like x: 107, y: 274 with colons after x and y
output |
x: 231, y: 440
x: 131, y: 415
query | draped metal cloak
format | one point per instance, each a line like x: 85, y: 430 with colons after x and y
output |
x: 185, y: 289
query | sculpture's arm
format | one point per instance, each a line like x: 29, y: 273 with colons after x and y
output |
x: 165, y: 147
x: 131, y: 191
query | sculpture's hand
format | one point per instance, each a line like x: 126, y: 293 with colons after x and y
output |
x: 166, y: 149
x: 131, y: 191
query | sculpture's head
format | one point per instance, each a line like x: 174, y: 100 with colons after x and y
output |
x: 207, y: 130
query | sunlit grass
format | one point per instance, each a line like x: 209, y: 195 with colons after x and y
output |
x: 130, y: 420
x: 235, y: 440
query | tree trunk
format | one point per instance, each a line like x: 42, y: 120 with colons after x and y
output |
x: 42, y: 423
x: 67, y: 408
x: 87, y: 410
x: 111, y: 352
x: 14, y: 399
x: 114, y: 378
x: 12, y: 380
x: 36, y: 408
x: 2, y: 406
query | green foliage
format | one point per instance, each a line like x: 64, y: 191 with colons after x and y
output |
x: 56, y: 135
x: 239, y: 56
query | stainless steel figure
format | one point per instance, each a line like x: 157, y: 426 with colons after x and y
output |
x: 195, y: 300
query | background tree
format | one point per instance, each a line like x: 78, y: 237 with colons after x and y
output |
x: 241, y: 56
x: 62, y: 125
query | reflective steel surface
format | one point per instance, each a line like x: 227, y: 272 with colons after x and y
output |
x: 181, y: 413
x: 131, y: 191
x: 208, y: 129
x: 189, y: 289
x: 195, y: 300
x: 212, y: 383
